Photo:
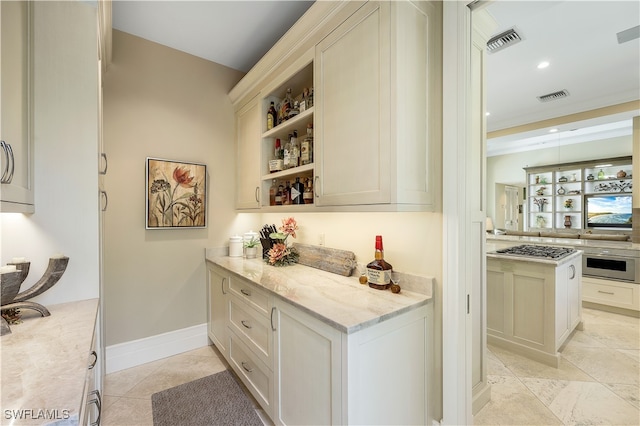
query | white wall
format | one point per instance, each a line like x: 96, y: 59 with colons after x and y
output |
x: 509, y: 168
x: 65, y: 155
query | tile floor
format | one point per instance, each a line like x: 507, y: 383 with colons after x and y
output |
x: 598, y: 382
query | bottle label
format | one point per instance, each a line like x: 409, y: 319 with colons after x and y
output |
x: 269, y: 121
x: 287, y: 159
x: 376, y: 276
x: 275, y: 165
x: 304, y: 153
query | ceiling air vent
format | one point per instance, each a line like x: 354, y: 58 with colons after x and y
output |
x: 553, y: 96
x: 503, y: 40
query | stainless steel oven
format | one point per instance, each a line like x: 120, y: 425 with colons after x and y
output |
x: 611, y: 264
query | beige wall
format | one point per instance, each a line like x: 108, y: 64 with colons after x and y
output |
x: 159, y: 102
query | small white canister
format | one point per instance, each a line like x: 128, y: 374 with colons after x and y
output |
x: 235, y: 246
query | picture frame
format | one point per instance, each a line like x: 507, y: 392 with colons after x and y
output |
x: 176, y: 194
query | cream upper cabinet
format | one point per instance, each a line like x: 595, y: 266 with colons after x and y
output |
x: 374, y: 69
x: 248, y: 130
x: 16, y: 164
x: 378, y: 108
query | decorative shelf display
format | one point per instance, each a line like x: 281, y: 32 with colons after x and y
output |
x: 556, y: 193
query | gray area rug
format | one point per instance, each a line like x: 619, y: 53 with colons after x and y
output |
x: 213, y: 400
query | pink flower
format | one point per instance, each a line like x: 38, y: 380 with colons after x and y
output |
x: 289, y: 226
x: 277, y: 252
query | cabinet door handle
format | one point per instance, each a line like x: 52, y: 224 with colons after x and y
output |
x: 245, y: 324
x: 222, y: 285
x: 315, y: 186
x: 98, y: 403
x: 247, y: 369
x: 606, y: 292
x: 257, y: 194
x: 273, y: 310
x: 95, y: 360
x: 245, y: 292
x: 106, y: 200
x: 573, y: 272
x: 106, y: 164
x: 5, y: 169
x: 12, y: 163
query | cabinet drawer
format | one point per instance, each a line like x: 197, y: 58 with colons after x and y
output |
x: 252, y: 328
x: 256, y: 376
x: 612, y: 293
x: 251, y: 294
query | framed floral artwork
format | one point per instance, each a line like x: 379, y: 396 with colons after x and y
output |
x: 176, y: 194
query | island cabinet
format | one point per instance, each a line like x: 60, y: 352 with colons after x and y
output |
x: 533, y: 305
x: 304, y: 366
x: 372, y: 70
x: 16, y: 146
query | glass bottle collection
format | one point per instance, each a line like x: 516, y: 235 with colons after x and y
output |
x: 283, y: 192
x: 288, y: 107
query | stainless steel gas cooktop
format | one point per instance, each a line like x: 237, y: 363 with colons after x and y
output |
x: 528, y: 250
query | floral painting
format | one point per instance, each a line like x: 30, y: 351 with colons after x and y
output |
x: 176, y: 194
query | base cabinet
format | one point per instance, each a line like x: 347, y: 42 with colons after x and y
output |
x: 611, y: 293
x: 302, y: 370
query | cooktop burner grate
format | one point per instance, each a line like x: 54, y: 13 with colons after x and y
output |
x: 548, y: 252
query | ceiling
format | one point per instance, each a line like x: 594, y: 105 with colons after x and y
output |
x: 577, y: 38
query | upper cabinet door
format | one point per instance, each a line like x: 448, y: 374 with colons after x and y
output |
x: 15, y: 107
x: 248, y: 131
x: 353, y: 156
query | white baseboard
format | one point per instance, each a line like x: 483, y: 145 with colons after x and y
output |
x: 130, y: 354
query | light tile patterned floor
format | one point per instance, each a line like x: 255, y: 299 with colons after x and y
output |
x: 598, y: 382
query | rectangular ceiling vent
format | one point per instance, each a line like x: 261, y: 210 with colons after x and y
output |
x: 553, y: 96
x: 503, y: 40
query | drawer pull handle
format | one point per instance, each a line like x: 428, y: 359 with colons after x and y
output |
x: 573, y: 272
x: 98, y: 403
x: 273, y: 310
x: 606, y: 292
x: 257, y: 194
x: 245, y: 324
x: 106, y: 163
x: 95, y: 360
x: 222, y: 285
x: 245, y: 292
x: 247, y: 369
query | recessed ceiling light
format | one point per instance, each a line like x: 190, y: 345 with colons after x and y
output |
x: 487, y: 113
x: 543, y: 64
x: 553, y: 130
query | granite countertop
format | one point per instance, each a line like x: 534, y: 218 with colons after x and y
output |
x: 571, y: 242
x: 44, y: 364
x: 339, y: 301
x: 556, y: 262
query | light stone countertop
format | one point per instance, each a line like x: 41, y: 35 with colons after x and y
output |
x: 571, y: 242
x: 44, y: 364
x: 342, y: 302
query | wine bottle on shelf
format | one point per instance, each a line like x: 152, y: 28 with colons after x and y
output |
x: 378, y: 270
x: 306, y: 147
x: 277, y: 164
x: 294, y: 159
x: 303, y: 102
x: 287, y: 154
x: 297, y: 190
x: 272, y: 116
x: 307, y: 196
x: 273, y: 190
x: 279, y: 195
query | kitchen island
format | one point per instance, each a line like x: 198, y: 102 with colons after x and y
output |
x: 319, y: 348
x: 533, y: 303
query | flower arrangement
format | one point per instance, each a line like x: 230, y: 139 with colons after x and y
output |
x: 568, y: 203
x: 540, y: 202
x: 280, y: 254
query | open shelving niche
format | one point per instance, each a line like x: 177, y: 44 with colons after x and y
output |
x: 297, y: 81
x: 559, y: 183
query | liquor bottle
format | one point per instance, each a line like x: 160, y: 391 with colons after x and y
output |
x: 273, y: 190
x: 279, y: 195
x: 286, y: 194
x: 378, y: 270
x: 277, y: 164
x: 303, y: 102
x: 287, y: 154
x: 287, y: 104
x: 294, y: 159
x: 306, y: 148
x: 296, y: 192
x: 272, y: 116
x: 307, y: 196
x: 294, y: 110
x: 310, y: 98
